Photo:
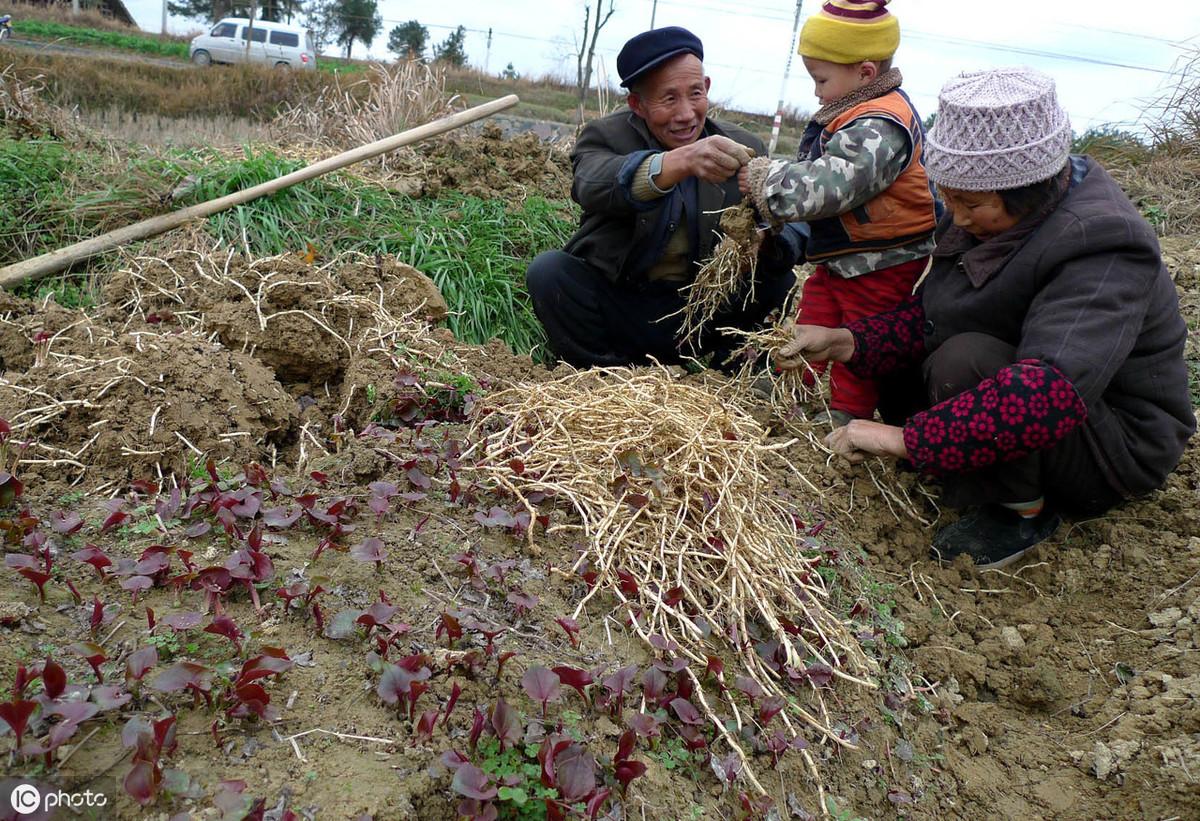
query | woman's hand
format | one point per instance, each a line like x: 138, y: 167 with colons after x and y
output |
x: 814, y: 343
x: 861, y: 438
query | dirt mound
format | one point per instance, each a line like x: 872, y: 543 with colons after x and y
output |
x: 302, y: 321
x: 132, y: 404
x: 489, y: 166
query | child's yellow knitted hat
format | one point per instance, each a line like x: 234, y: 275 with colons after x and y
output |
x: 850, y: 31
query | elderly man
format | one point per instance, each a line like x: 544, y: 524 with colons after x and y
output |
x: 651, y: 180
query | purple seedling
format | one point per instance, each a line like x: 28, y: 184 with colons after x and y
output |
x: 542, y: 685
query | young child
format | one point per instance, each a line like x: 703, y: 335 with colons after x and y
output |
x: 858, y: 180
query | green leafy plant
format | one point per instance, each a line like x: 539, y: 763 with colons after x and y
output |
x: 518, y: 763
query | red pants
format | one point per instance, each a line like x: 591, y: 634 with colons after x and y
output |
x: 831, y: 301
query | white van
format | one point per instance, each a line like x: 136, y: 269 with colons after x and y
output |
x: 277, y: 44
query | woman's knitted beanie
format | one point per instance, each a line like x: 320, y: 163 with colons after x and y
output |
x: 997, y: 130
x: 850, y: 31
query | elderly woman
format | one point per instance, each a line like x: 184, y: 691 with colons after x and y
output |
x: 1043, y: 352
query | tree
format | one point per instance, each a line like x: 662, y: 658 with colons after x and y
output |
x: 318, y: 18
x: 408, y: 41
x: 451, y: 50
x: 356, y: 20
x: 587, y: 49
x: 277, y: 11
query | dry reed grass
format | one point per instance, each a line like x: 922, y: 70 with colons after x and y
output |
x: 392, y: 98
x: 131, y: 127
x: 677, y: 486
x: 24, y: 112
x: 96, y: 82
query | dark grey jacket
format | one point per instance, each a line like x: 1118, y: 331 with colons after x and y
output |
x: 623, y: 237
x: 1087, y: 292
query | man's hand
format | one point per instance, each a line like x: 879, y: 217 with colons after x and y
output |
x: 814, y: 343
x: 861, y: 438
x: 712, y: 159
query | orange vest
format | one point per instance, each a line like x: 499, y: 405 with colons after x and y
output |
x: 902, y: 214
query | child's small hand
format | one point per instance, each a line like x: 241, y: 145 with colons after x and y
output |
x: 744, y: 181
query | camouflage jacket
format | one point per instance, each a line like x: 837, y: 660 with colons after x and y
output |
x: 860, y: 162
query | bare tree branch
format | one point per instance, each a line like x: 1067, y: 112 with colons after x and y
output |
x: 583, y: 74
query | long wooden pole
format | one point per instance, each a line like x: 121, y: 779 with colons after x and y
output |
x: 63, y: 258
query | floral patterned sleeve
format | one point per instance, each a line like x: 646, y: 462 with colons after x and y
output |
x: 888, y: 342
x: 1027, y: 407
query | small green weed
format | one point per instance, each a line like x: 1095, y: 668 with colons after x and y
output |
x: 523, y: 799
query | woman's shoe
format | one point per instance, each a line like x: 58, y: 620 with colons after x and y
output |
x: 994, y: 536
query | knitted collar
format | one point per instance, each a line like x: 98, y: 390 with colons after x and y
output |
x: 888, y: 81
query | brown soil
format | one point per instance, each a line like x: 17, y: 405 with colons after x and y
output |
x: 487, y: 166
x: 738, y: 224
x: 1066, y: 687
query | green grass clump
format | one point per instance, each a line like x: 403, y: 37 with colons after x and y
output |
x: 140, y: 43
x: 55, y: 194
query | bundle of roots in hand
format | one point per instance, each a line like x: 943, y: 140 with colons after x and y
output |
x: 727, y: 272
x: 681, y: 523
x: 788, y: 389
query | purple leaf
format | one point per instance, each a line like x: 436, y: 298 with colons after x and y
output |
x: 522, y: 602
x: 644, y: 724
x: 54, y: 679
x: 395, y: 684
x: 619, y: 682
x: 542, y: 685
x: 687, y: 713
x: 653, y: 684
x: 282, y: 518
x: 496, y: 517
x: 66, y: 523
x: 197, y: 529
x: 370, y: 550
x: 505, y: 724
x: 16, y: 715
x: 472, y: 782
x: 820, y: 675
x: 576, y: 773
x: 418, y: 478
x: 181, y: 675
x: 110, y: 697
x: 75, y: 712
x: 142, y: 782
x: 770, y: 708
x: 749, y: 687
x: 452, y: 760
x: 575, y: 678
x: 140, y: 661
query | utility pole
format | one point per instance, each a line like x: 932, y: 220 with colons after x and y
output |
x: 250, y: 30
x: 653, y: 13
x: 487, y: 56
x: 783, y: 86
x: 164, y: 20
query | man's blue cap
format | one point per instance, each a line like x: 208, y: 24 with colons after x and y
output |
x: 651, y: 49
